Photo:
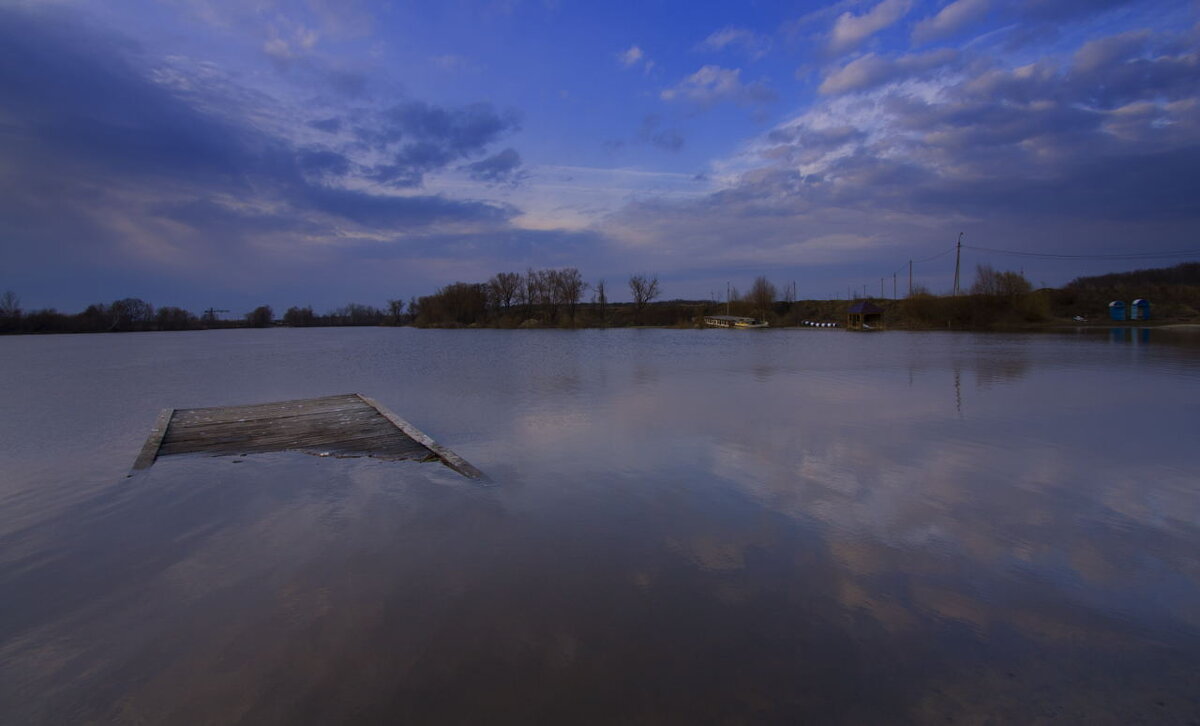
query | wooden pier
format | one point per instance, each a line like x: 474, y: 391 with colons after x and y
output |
x: 346, y: 425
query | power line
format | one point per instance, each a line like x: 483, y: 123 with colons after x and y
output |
x: 1106, y: 256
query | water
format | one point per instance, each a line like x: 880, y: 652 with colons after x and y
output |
x: 687, y: 527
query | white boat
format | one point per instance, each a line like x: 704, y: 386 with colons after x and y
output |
x: 733, y: 321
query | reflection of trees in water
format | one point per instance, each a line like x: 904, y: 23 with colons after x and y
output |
x: 1012, y: 366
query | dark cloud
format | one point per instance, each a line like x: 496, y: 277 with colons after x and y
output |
x: 114, y: 165
x: 421, y: 138
x: 78, y: 100
x: 652, y: 132
x: 503, y: 167
x: 397, y: 212
x: 322, y: 163
x: 329, y: 125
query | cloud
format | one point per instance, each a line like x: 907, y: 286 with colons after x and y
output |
x: 322, y: 163
x: 328, y: 125
x: 752, y: 44
x: 850, y: 30
x: 633, y: 57
x: 418, y: 138
x: 1101, y: 144
x: 1105, y: 52
x: 503, y: 167
x: 1065, y: 9
x: 949, y: 20
x: 713, y: 84
x: 871, y: 70
x: 163, y: 176
x: 451, y: 63
x: 287, y: 40
x: 669, y: 139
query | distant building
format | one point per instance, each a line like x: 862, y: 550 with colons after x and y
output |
x: 864, y: 316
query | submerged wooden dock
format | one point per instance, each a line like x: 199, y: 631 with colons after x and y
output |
x: 346, y: 425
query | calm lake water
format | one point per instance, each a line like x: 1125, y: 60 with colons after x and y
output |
x: 686, y: 527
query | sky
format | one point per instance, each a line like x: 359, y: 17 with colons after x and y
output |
x: 234, y: 153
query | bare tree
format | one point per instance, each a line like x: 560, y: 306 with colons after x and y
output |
x: 568, y: 288
x: 10, y: 305
x: 986, y: 280
x: 601, y: 300
x: 297, y: 317
x: 989, y: 281
x: 260, y: 317
x: 762, y: 296
x: 644, y: 290
x: 504, y: 288
x: 173, y: 318
x: 1012, y: 284
x: 395, y: 310
x: 531, y: 290
x: 130, y: 313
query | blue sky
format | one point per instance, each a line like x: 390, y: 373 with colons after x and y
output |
x: 313, y: 152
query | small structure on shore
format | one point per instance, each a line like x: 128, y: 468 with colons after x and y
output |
x: 733, y: 321
x: 1140, y: 309
x: 1117, y: 310
x: 346, y: 425
x: 864, y: 316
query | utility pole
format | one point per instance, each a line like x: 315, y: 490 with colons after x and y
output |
x: 881, y: 288
x: 957, y: 255
x: 893, y: 286
x: 726, y: 297
x: 910, y: 278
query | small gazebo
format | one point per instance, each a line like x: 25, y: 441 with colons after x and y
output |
x: 863, y: 316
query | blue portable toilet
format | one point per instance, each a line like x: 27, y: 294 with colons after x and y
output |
x: 1141, y: 310
x: 1116, y: 310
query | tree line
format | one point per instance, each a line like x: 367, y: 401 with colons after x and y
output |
x: 560, y: 297
x: 535, y: 298
x: 135, y: 314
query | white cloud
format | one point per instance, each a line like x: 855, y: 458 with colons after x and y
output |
x: 630, y: 57
x: 753, y: 44
x: 849, y: 30
x: 634, y: 56
x: 950, y: 19
x: 714, y: 84
x: 286, y: 40
x: 451, y: 62
x: 872, y: 70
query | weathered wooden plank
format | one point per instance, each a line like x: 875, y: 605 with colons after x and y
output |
x: 392, y: 442
x: 150, y: 449
x: 348, y: 424
x: 451, y: 459
x: 318, y: 424
x: 268, y: 410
